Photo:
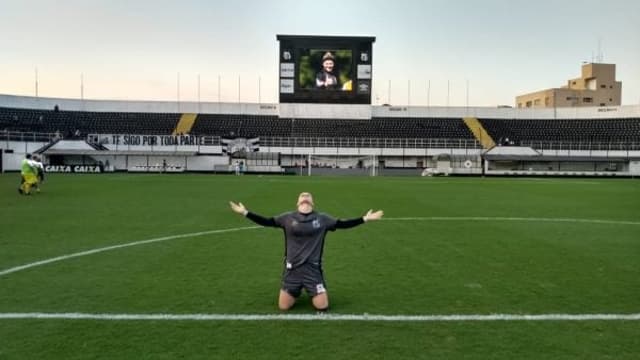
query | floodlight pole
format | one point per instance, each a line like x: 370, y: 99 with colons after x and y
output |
x: 448, y: 92
x: 178, y: 90
x: 36, y: 82
x: 467, y: 97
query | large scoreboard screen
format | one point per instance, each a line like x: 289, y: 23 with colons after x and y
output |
x: 325, y: 69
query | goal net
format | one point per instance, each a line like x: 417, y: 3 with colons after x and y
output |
x: 357, y: 164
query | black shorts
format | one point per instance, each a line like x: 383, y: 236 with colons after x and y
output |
x: 307, y: 276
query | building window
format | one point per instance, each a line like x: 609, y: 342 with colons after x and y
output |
x: 528, y: 104
x: 536, y: 102
x: 569, y: 98
x: 587, y: 100
x: 610, y: 86
x: 610, y: 99
x: 573, y: 83
x: 546, y: 101
x: 603, y: 104
x: 603, y: 86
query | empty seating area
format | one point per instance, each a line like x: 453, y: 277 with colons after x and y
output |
x: 433, y: 128
x: 568, y: 130
x: 255, y: 126
x: 329, y: 128
x: 247, y: 126
x: 444, y: 128
x: 68, y: 123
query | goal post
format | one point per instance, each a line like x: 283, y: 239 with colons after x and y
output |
x: 357, y: 164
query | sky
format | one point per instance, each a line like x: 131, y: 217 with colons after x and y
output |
x: 142, y: 49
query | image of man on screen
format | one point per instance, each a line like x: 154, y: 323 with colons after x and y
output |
x: 327, y: 77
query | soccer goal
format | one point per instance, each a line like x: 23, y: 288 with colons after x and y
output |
x: 327, y: 164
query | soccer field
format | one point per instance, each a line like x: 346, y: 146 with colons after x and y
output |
x: 157, y: 267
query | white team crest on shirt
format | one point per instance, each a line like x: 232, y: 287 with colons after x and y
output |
x: 320, y: 289
x: 316, y: 224
x: 294, y: 223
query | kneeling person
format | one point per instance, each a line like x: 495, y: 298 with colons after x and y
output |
x: 305, y: 231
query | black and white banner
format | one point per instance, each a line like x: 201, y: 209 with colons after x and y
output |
x: 146, y: 140
x: 73, y: 169
x: 237, y: 145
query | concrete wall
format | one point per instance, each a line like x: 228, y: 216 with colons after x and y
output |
x: 29, y: 102
x: 574, y: 167
x: 325, y: 111
x: 21, y: 147
x: 12, y: 161
x: 189, y: 163
x: 629, y: 111
x: 316, y: 110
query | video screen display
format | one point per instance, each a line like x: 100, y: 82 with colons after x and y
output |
x: 325, y: 69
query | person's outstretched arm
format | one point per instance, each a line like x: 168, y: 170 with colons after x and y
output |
x: 370, y: 215
x: 260, y: 220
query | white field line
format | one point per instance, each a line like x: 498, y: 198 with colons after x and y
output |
x: 321, y: 317
x: 525, y: 219
x: 433, y: 218
x: 119, y: 246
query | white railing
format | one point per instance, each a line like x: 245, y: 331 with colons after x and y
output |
x: 582, y: 145
x: 339, y: 142
x: 27, y: 136
x: 406, y: 143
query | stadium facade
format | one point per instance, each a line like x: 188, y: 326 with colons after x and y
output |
x: 148, y: 136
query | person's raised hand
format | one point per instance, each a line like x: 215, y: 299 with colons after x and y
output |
x: 371, y: 215
x: 238, y: 208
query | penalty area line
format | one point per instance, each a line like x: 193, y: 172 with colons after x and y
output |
x: 320, y: 317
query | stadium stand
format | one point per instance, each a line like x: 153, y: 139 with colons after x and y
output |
x: 479, y: 132
x: 261, y: 126
x: 81, y: 123
x: 446, y: 128
x: 185, y: 124
x: 70, y: 123
x: 568, y: 130
x: 241, y: 125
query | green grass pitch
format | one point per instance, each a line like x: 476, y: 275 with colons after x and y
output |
x: 414, y: 267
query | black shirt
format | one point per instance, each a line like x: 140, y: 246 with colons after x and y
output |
x: 304, y: 233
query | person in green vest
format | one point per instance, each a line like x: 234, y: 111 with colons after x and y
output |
x: 29, y: 176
